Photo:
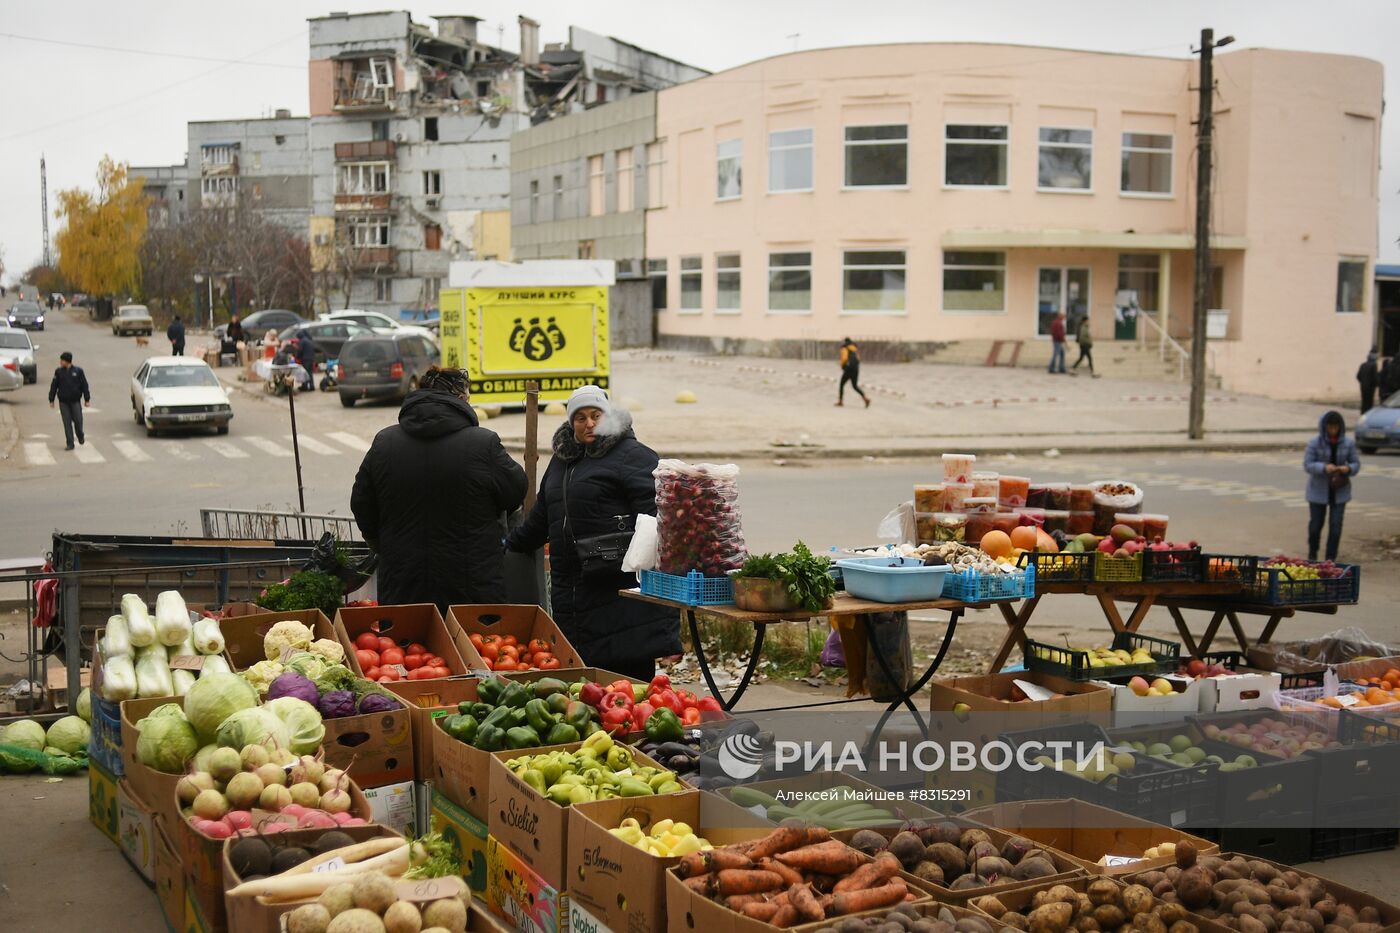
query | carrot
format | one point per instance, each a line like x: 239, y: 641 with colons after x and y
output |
x: 745, y: 881
x: 703, y: 885
x: 763, y: 912
x: 702, y: 863
x: 853, y: 902
x: 790, y: 875
x: 870, y: 875
x: 737, y: 902
x: 786, y: 917
x: 785, y: 838
x: 827, y: 858
x: 801, y: 897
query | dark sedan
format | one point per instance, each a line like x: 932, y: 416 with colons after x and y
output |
x: 382, y: 366
x: 329, y: 336
x: 27, y: 314
x: 259, y: 323
x: 1380, y: 427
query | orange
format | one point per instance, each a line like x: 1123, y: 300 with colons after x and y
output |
x: 1024, y: 537
x: 996, y: 544
x: 1331, y: 701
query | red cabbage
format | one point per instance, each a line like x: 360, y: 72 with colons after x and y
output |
x: 337, y: 703
x: 378, y: 703
x: 292, y: 684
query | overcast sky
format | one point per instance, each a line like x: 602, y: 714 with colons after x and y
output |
x: 88, y: 77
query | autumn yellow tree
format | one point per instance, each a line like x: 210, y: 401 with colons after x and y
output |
x: 99, y: 243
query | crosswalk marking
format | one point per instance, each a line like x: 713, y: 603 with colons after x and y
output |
x: 131, y: 451
x: 225, y: 449
x: 38, y: 453
x: 86, y: 453
x: 310, y: 443
x: 179, y: 452
x: 267, y: 445
x: 349, y: 440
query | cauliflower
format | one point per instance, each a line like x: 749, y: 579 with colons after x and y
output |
x: 262, y: 674
x: 289, y: 633
x: 311, y: 666
x: 328, y: 649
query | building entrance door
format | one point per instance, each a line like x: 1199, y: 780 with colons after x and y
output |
x: 1062, y: 289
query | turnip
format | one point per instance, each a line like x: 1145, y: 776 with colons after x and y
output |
x: 337, y: 899
x: 274, y: 797
x: 305, y: 794
x: 254, y: 757
x: 270, y: 828
x: 373, y: 891
x: 243, y: 789
x: 210, y: 804
x: 332, y: 779
x: 356, y: 920
x: 449, y: 913
x: 191, y: 784
x: 314, y: 768
x: 282, y: 756
x: 355, y: 821
x: 270, y: 773
x: 308, y: 918
x: 402, y: 917
x: 239, y: 819
x: 335, y: 801
x: 224, y: 763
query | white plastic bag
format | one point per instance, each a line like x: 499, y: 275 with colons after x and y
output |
x: 641, y: 553
x: 898, y: 524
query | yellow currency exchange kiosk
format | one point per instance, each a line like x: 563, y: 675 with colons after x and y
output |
x: 507, y: 323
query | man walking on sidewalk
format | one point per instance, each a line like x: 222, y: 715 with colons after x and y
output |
x: 850, y: 372
x: 1086, y: 348
x: 1057, y: 343
x: 176, y: 334
x: 70, y: 387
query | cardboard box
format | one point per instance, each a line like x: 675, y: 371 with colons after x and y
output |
x: 524, y: 900
x: 244, y: 633
x: 393, y: 806
x: 195, y: 919
x: 1185, y: 697
x: 992, y: 693
x: 524, y: 622
x: 249, y: 914
x: 102, y: 800
x: 481, y: 920
x: 1085, y: 833
x: 154, y: 787
x: 614, y: 885
x: 466, y: 834
x: 1244, y: 690
x: 379, y: 745
x: 422, y: 802
x: 419, y: 622
x: 428, y: 700
x: 170, y: 881
x: 136, y: 831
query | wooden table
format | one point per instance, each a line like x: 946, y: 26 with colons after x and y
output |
x: 1231, y: 612
x: 1143, y: 596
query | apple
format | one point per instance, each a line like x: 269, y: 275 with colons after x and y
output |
x: 1195, y: 667
x: 1139, y: 686
x: 1162, y: 686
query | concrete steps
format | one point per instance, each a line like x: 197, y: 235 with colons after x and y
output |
x: 1113, y: 359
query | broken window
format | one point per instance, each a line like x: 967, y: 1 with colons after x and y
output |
x: 219, y: 155
x: 432, y: 182
x: 364, y: 178
x: 382, y: 72
x: 483, y: 89
x: 430, y: 129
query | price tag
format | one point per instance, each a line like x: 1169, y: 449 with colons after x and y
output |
x: 403, y: 671
x: 1113, y: 861
x: 429, y: 889
x: 335, y: 864
x: 187, y: 663
x: 1347, y: 699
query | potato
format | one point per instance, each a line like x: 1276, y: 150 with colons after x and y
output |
x: 1312, y: 918
x: 1263, y: 871
x: 1173, y: 872
x: 1185, y: 855
x: 1229, y: 871
x: 1017, y: 921
x: 1109, y: 916
x: 989, y: 904
x: 1171, y: 913
x: 1149, y: 879
x: 1170, y: 898
x: 1257, y: 894
x: 1052, y: 918
x: 1163, y: 888
x: 1213, y: 862
x: 947, y: 857
x: 1365, y: 928
x: 1368, y: 915
x: 1283, y: 897
x: 1249, y: 925
x: 929, y: 871
x: 1063, y: 893
x: 1085, y: 923
x: 1194, y: 886
x: 1292, y: 879
x: 1326, y: 908
x: 1334, y: 928
x: 1137, y: 900
x: 1082, y: 904
x: 1183, y: 926
x: 1149, y: 923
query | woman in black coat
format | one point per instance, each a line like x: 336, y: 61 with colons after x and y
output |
x: 600, y: 479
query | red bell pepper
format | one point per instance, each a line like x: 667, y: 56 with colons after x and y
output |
x: 616, y: 699
x: 709, y: 705
x: 668, y: 699
x: 592, y: 693
x: 641, y: 712
x: 690, y: 716
x: 621, y: 686
x: 617, y: 720
x: 659, y: 682
x: 688, y: 699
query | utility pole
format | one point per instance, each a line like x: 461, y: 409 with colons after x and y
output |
x: 1204, y: 141
x: 44, y: 206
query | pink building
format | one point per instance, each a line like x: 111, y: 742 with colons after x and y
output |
x: 925, y: 194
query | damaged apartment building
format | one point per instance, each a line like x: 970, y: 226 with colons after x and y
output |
x: 409, y: 139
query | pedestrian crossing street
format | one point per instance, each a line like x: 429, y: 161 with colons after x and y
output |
x: 98, y: 450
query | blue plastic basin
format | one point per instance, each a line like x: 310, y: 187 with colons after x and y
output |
x: 891, y: 579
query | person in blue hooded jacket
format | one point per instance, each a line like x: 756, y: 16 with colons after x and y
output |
x: 1330, y: 461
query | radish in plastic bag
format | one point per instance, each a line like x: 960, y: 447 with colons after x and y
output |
x: 697, y: 518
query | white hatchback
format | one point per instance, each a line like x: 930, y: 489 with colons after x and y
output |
x: 179, y: 392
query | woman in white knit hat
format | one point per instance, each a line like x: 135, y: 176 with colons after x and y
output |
x: 598, y: 482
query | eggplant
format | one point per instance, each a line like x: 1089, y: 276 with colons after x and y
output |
x: 669, y: 749
x: 680, y: 764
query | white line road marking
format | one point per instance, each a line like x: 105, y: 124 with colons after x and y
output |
x: 131, y: 451
x: 310, y: 443
x: 267, y: 446
x: 40, y: 437
x: 87, y: 454
x: 180, y: 453
x: 225, y: 449
x: 38, y: 453
x: 349, y: 440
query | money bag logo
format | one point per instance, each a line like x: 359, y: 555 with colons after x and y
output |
x: 537, y: 343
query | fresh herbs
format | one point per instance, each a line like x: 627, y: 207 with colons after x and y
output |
x: 306, y: 589
x: 806, y: 576
x: 439, y: 858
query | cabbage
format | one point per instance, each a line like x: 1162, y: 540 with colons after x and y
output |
x: 262, y: 674
x: 166, y: 743
x: 379, y: 703
x: 84, y: 705
x: 255, y: 725
x: 284, y: 634
x: 302, y: 721
x: 336, y: 704
x: 25, y: 734
x: 332, y: 651
x: 119, y: 679
x: 213, y: 698
x: 174, y: 710
x: 184, y: 649
x: 172, y: 618
x: 311, y: 666
x: 292, y: 684
x: 116, y: 642
x: 140, y: 629
x: 70, y: 734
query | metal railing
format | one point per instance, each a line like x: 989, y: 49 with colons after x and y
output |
x: 1166, y: 343
x: 245, y: 525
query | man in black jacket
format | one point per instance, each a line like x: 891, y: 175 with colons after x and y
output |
x: 431, y: 496
x: 175, y: 333
x: 70, y: 387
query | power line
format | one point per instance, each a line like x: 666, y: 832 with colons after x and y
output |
x: 152, y: 53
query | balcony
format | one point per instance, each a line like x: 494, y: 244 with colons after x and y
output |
x: 381, y: 149
x: 371, y: 257
x: 362, y: 95
x: 363, y: 202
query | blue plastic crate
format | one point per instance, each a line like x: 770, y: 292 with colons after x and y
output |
x: 975, y: 586
x: 892, y: 579
x: 693, y: 589
x: 105, y: 740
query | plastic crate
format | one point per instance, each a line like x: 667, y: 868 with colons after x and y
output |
x: 1229, y: 568
x: 1309, y: 699
x: 1287, y: 846
x: 1275, y: 586
x: 1059, y: 568
x: 1382, y: 835
x: 974, y: 586
x: 105, y: 738
x: 1073, y: 664
x: 1110, y: 569
x: 1356, y: 728
x: 693, y: 589
x: 1235, y: 660
x: 1181, y: 565
x: 892, y: 579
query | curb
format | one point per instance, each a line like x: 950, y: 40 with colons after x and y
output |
x: 9, y: 433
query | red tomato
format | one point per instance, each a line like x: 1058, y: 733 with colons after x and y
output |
x: 509, y: 640
x: 367, y: 658
x: 490, y: 639
x: 391, y: 656
x: 510, y: 651
x: 433, y: 661
x: 539, y: 644
x: 368, y: 640
x: 507, y: 664
x: 419, y: 673
x: 385, y: 679
x: 550, y: 664
x: 389, y: 672
x: 475, y: 639
x: 413, y: 661
x: 372, y: 673
x: 543, y: 656
x: 489, y: 651
x: 416, y: 648
x: 386, y: 643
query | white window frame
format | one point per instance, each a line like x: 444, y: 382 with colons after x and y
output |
x: 809, y: 146
x: 808, y: 269
x: 381, y: 71
x: 726, y: 151
x: 1124, y: 148
x: 724, y: 270
x: 432, y: 290
x: 360, y: 178
x: 432, y: 182
x: 1365, y: 264
x: 221, y: 154
x: 846, y: 145
x: 597, y: 186
x: 695, y: 273
x: 1005, y: 145
x: 656, y: 173
x: 218, y: 184
x: 878, y: 312
x: 1087, y: 147
x: 369, y: 232
x: 625, y: 161
x: 942, y: 284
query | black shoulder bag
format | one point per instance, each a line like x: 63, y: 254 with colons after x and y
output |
x: 598, y: 554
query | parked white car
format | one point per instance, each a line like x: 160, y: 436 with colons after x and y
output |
x: 132, y: 319
x: 178, y: 392
x: 15, y: 344
x: 379, y: 323
x: 10, y: 378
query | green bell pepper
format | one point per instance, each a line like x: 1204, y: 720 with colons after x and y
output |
x: 639, y: 693
x: 515, y: 695
x: 522, y: 737
x: 578, y: 715
x: 558, y: 703
x: 497, y: 717
x: 574, y: 689
x: 481, y: 710
x: 490, y: 738
x: 590, y: 728
x: 549, y: 686
x: 663, y: 725
x: 561, y: 733
x: 538, y: 716
x: 489, y: 690
x: 462, y: 728
x: 515, y: 717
